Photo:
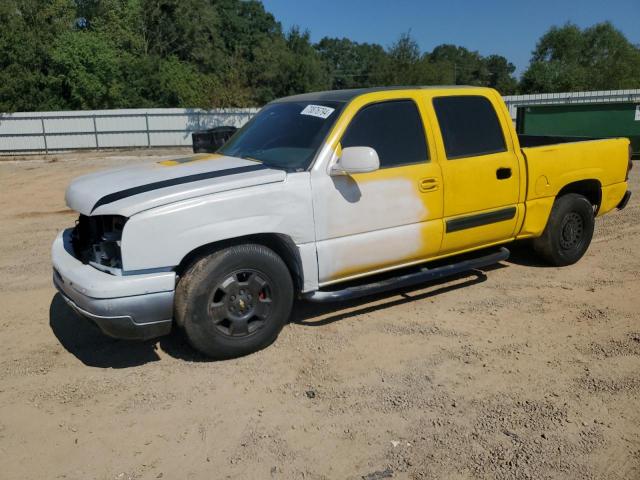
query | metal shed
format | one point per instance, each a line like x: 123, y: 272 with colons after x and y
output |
x: 599, y: 120
x: 580, y: 114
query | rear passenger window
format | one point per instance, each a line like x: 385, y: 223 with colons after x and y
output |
x: 469, y: 126
x: 393, y: 129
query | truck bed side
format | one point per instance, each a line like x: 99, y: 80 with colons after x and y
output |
x: 597, y: 166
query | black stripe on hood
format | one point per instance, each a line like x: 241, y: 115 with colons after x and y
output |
x: 113, y: 197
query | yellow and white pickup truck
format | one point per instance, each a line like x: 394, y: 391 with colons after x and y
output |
x: 327, y: 196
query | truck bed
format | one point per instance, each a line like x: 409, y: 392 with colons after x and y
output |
x: 565, y: 160
x: 528, y: 141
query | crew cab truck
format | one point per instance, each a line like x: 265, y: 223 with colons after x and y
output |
x: 314, y: 197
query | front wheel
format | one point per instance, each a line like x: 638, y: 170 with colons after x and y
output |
x: 568, y: 232
x: 234, y: 301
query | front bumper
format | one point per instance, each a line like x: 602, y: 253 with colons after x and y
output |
x: 136, y: 307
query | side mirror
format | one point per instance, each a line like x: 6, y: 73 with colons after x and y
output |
x: 356, y: 160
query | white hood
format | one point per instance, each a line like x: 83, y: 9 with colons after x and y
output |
x: 126, y: 191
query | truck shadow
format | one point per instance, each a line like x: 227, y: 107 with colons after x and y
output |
x: 522, y: 254
x: 85, y: 341
x: 89, y: 345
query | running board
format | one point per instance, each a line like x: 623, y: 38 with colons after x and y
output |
x: 407, y: 280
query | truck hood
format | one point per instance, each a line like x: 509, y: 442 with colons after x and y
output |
x: 129, y: 190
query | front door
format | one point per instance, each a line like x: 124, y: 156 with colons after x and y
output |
x: 386, y: 218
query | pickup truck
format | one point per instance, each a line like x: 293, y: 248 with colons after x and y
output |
x: 326, y: 196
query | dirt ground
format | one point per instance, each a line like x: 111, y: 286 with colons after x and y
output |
x: 522, y: 372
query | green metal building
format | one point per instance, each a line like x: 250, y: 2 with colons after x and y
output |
x: 580, y: 114
x: 596, y: 120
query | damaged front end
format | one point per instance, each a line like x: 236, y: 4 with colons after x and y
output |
x: 96, y: 241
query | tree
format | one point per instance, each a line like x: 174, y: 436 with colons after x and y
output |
x: 304, y: 70
x: 570, y: 59
x: 69, y: 54
x: 500, y: 74
x: 85, y: 71
x: 351, y: 64
x: 189, y: 30
x: 408, y: 66
x: 120, y: 20
x: 466, y: 67
x: 180, y: 84
x: 256, y: 52
x: 29, y: 28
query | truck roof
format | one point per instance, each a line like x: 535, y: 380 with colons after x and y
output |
x: 349, y: 94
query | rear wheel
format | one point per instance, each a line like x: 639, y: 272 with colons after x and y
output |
x: 568, y: 232
x: 234, y: 301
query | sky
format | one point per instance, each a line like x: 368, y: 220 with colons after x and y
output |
x: 509, y: 28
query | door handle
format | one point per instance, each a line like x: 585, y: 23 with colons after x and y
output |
x: 429, y: 184
x: 503, y: 173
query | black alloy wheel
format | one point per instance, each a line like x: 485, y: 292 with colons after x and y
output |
x: 241, y: 303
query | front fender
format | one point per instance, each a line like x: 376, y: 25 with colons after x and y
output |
x: 163, y: 236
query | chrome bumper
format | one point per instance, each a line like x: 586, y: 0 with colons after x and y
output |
x: 129, y: 307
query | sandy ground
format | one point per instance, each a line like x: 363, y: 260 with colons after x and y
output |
x: 524, y: 372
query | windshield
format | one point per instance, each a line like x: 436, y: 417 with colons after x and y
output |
x: 284, y: 135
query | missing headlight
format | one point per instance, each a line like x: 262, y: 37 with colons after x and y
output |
x: 96, y: 241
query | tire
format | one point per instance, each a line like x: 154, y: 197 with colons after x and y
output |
x: 234, y: 301
x: 568, y: 232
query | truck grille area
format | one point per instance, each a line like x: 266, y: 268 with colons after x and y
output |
x: 96, y: 241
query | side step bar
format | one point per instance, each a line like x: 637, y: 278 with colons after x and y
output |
x: 407, y: 280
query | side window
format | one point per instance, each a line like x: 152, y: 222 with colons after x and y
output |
x: 469, y: 126
x: 393, y: 129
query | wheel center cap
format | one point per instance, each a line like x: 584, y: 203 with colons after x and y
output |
x: 570, y: 231
x: 241, y: 304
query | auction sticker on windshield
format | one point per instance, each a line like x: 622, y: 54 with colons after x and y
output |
x: 317, y: 111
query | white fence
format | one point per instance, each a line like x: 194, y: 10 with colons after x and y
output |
x: 170, y: 127
x: 602, y: 96
x: 159, y: 127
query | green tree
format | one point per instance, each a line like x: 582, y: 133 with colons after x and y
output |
x: 351, y: 64
x: 29, y: 28
x: 258, y: 49
x: 304, y: 70
x: 570, y: 59
x: 465, y: 67
x: 267, y: 73
x: 186, y: 29
x: 404, y: 62
x: 500, y: 74
x: 62, y: 54
x: 408, y: 66
x: 245, y: 24
x: 85, y: 71
x: 180, y: 84
x: 120, y: 20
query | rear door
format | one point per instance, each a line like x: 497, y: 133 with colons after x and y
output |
x: 480, y: 171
